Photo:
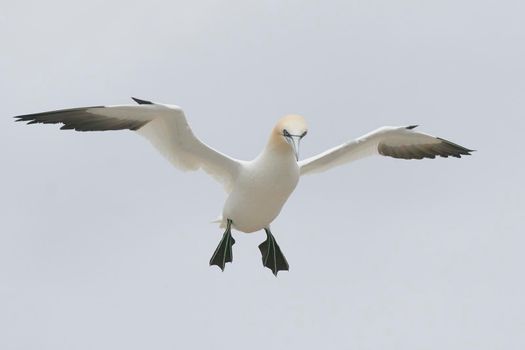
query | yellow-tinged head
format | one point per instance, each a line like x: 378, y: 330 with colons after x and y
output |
x: 288, y: 133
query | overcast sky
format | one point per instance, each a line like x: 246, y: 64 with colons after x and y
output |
x: 104, y: 245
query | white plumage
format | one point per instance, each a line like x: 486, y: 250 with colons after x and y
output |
x: 257, y: 189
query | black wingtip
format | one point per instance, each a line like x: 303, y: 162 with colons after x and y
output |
x: 410, y: 127
x: 25, y: 118
x: 141, y: 102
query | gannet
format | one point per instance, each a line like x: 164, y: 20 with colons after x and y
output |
x: 257, y: 189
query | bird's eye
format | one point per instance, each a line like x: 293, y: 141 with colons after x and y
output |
x: 286, y: 133
x: 304, y: 134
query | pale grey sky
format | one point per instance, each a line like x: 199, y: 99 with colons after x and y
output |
x: 103, y: 245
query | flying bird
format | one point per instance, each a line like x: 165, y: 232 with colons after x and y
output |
x: 257, y: 189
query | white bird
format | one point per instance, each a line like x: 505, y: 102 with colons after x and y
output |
x: 257, y: 189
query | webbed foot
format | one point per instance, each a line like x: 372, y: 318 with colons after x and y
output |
x: 223, y: 254
x: 272, y: 257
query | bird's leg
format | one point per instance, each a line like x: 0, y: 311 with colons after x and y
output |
x: 223, y: 253
x: 272, y: 257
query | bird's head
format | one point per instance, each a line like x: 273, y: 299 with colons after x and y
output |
x: 289, y: 131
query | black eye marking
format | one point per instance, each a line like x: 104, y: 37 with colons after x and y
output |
x: 286, y: 133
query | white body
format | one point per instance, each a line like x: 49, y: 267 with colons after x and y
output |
x: 260, y: 191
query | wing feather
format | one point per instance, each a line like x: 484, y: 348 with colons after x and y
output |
x: 396, y: 142
x: 165, y: 126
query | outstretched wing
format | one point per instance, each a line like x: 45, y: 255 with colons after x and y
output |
x: 397, y: 142
x: 165, y: 126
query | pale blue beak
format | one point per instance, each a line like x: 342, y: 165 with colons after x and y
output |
x: 294, y: 142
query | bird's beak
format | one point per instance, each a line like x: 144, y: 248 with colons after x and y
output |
x: 294, y: 142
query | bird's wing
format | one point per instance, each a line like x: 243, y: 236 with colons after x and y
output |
x: 165, y: 126
x: 397, y: 142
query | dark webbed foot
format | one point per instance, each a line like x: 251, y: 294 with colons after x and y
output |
x: 223, y: 253
x: 272, y: 257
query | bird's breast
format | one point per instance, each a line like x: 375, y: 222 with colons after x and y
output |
x: 259, y: 194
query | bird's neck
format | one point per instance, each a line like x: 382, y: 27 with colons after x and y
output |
x: 277, y: 149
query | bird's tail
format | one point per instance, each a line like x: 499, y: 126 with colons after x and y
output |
x: 219, y: 221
